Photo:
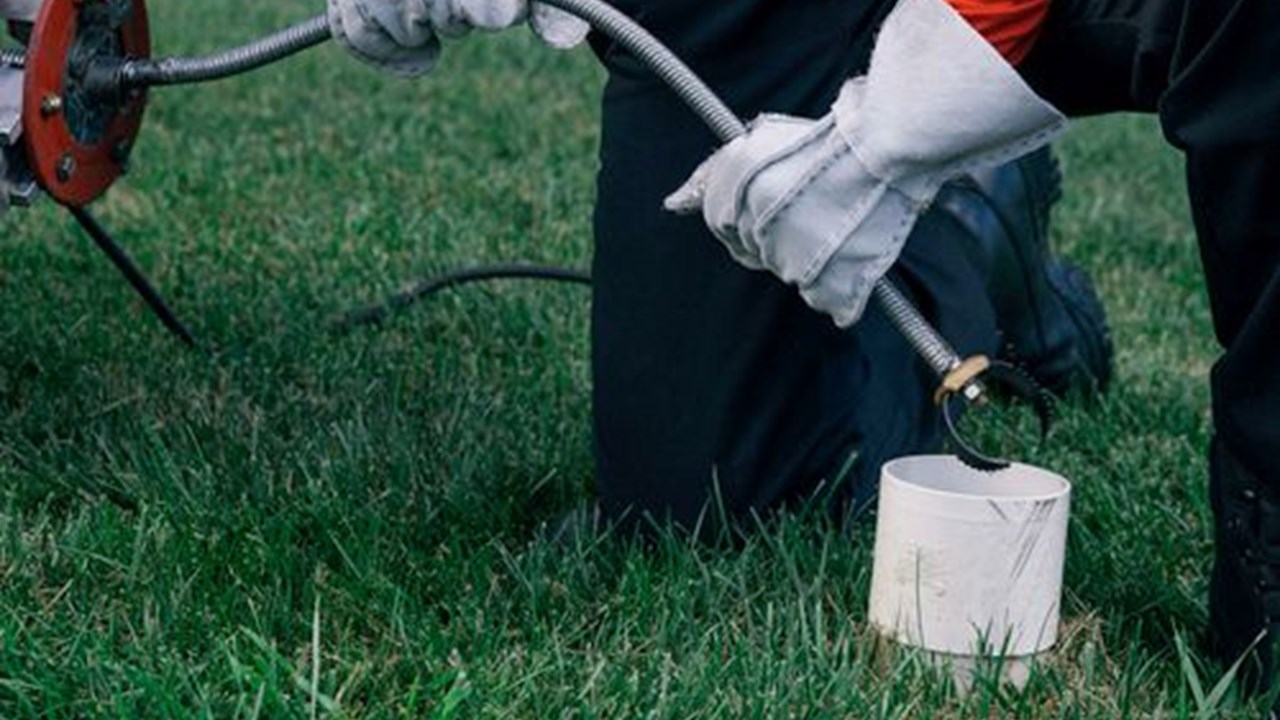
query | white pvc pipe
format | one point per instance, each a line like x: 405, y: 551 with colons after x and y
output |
x: 969, y: 563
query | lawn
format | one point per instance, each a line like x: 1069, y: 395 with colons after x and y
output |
x: 313, y: 524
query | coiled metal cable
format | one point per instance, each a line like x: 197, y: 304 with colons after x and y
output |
x: 659, y: 59
x: 180, y: 70
x: 932, y: 347
x: 926, y: 341
x: 146, y: 72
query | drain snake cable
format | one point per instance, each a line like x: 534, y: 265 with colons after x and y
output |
x: 958, y: 382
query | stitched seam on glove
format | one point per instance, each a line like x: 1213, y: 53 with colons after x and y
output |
x: 830, y: 242
x: 743, y: 190
x: 880, y: 266
x: 994, y: 156
x: 860, y: 293
x: 803, y: 142
x: 862, y: 160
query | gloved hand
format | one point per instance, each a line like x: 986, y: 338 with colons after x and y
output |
x: 401, y: 36
x: 827, y: 204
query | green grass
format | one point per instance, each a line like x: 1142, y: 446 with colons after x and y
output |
x: 340, y: 526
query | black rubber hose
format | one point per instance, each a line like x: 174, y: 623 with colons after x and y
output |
x: 377, y: 314
x: 105, y: 242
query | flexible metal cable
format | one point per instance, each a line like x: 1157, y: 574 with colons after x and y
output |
x: 926, y: 341
x: 661, y: 61
x: 600, y: 15
x: 148, y: 72
x: 934, y: 350
x: 931, y: 346
x: 270, y: 49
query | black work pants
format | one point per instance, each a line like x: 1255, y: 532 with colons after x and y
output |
x: 714, y: 384
x: 1211, y: 70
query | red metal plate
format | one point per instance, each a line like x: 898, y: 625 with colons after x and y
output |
x: 75, y: 173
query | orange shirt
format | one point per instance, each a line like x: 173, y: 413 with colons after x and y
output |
x: 1012, y: 26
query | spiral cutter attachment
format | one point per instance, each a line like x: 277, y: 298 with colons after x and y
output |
x: 969, y: 383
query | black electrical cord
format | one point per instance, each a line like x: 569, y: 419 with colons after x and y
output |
x: 154, y: 300
x: 425, y: 287
x: 360, y: 317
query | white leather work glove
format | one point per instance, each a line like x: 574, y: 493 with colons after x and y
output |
x: 402, y: 36
x: 827, y: 204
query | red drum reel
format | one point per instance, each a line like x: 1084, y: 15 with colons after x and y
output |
x: 79, y: 141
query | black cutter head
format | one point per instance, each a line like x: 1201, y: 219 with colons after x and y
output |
x: 1017, y: 383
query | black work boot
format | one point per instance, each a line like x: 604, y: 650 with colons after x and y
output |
x: 1052, y: 321
x: 1244, y: 589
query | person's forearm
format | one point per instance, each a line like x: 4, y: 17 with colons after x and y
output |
x: 1011, y: 26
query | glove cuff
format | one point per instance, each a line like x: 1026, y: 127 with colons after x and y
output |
x: 939, y: 101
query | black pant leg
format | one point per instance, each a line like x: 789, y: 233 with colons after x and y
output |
x: 1223, y: 109
x: 1210, y: 69
x: 1235, y: 199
